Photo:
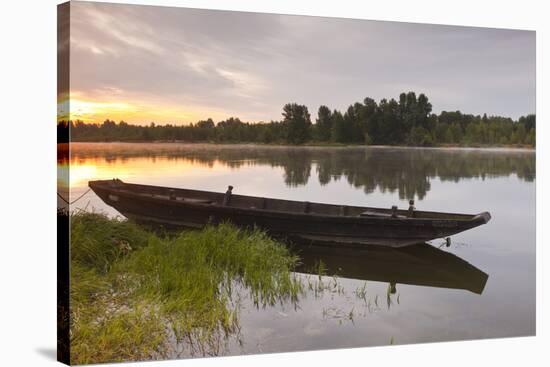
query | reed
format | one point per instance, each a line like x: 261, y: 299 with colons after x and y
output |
x: 131, y: 288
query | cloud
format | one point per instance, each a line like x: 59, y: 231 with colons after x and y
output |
x: 249, y: 64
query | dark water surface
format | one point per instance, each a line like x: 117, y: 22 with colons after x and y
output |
x: 483, y: 286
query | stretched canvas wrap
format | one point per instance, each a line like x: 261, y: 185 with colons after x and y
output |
x: 236, y: 183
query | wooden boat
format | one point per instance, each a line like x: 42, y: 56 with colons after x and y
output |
x: 342, y: 224
x: 419, y: 265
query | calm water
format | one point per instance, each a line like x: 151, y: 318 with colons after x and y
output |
x: 483, y: 286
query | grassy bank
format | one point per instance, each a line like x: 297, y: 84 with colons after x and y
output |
x: 132, y: 289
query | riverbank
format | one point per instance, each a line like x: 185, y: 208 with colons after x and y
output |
x: 132, y: 290
x: 516, y: 147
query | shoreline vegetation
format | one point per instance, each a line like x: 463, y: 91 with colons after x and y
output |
x: 516, y: 147
x: 138, y: 295
x: 407, y: 121
x: 132, y: 291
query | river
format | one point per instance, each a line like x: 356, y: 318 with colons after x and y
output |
x: 482, y: 286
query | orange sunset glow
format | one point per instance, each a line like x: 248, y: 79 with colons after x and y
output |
x: 97, y: 110
x: 87, y: 169
x: 144, y: 64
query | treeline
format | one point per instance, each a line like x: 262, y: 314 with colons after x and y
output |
x: 406, y: 121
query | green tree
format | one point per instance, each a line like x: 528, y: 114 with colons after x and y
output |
x: 440, y: 133
x: 338, y: 131
x: 350, y: 127
x: 386, y: 122
x: 367, y: 139
x: 520, y: 133
x: 419, y: 136
x: 371, y: 119
x: 530, y: 139
x: 529, y: 121
x: 298, y: 121
x: 323, y: 125
x: 391, y: 126
x: 456, y: 131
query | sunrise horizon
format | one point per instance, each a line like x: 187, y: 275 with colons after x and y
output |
x: 178, y: 65
x: 96, y: 112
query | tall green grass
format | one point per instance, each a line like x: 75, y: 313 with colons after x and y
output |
x: 130, y: 287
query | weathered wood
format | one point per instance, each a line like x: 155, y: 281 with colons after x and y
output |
x: 307, y: 220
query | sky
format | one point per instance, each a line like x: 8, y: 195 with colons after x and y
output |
x: 177, y: 65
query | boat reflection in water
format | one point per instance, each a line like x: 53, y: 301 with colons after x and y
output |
x: 421, y: 264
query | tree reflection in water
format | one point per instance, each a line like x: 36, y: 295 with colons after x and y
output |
x: 407, y: 171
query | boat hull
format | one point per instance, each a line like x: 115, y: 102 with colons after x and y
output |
x: 159, y: 209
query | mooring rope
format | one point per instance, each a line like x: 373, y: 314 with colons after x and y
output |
x: 74, y: 201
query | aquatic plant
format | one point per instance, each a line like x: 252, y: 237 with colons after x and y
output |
x: 132, y: 289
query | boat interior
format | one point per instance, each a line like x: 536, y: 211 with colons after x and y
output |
x: 253, y: 202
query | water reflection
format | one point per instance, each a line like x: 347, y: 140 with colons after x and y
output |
x: 405, y: 171
x: 437, y: 291
x: 422, y: 265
